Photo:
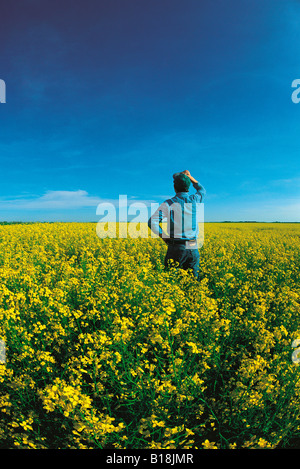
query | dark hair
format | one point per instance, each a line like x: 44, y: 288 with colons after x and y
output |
x: 182, y: 183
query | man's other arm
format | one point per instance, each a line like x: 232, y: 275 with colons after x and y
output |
x: 156, y: 219
x: 200, y: 189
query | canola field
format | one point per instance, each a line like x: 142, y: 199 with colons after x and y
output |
x: 106, y: 349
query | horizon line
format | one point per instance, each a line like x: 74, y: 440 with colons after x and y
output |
x: 5, y: 222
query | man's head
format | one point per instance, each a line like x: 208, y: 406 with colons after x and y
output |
x: 181, y: 182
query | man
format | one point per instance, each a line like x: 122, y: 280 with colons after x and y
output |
x: 181, y: 212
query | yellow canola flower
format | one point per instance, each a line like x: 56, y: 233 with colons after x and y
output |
x: 209, y: 445
x: 104, y: 337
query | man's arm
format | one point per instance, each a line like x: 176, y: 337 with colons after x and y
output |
x: 200, y: 189
x: 188, y: 174
x: 156, y: 219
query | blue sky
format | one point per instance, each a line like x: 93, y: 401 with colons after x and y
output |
x: 110, y: 97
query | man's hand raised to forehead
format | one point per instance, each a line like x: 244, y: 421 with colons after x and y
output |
x: 188, y: 174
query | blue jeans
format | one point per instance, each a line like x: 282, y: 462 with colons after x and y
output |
x: 186, y: 258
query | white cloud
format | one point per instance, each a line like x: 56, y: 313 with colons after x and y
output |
x: 64, y: 200
x: 51, y: 200
x: 288, y: 182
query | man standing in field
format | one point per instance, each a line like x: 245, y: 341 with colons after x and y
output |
x: 181, y: 213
